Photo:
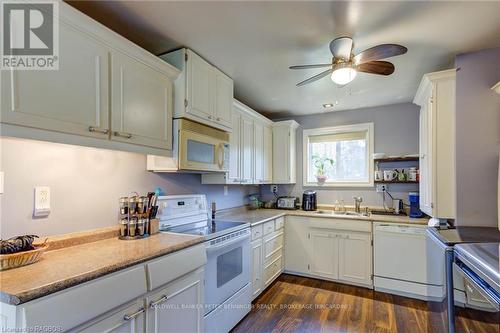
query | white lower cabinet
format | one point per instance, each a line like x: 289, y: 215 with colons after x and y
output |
x: 176, y: 307
x: 332, y: 249
x: 130, y: 319
x: 267, y: 254
x: 256, y: 267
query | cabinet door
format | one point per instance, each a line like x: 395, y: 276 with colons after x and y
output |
x: 200, y: 87
x: 259, y: 152
x: 234, y: 174
x: 247, y: 149
x: 355, y: 258
x: 223, y: 98
x: 268, y: 154
x: 141, y: 110
x: 281, y: 155
x: 257, y: 265
x: 128, y: 320
x: 178, y: 306
x: 426, y: 174
x: 297, y: 244
x: 324, y: 254
x: 72, y: 99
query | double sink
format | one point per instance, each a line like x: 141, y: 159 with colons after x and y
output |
x: 344, y: 213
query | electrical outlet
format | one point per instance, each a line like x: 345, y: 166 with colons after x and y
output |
x: 42, y: 201
x: 381, y: 188
x: 225, y: 190
x: 274, y: 189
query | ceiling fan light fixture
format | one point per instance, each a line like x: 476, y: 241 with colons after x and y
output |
x: 343, y: 74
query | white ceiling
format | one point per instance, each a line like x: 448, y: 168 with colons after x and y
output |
x: 255, y: 42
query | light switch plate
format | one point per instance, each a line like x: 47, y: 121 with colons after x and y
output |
x: 42, y: 201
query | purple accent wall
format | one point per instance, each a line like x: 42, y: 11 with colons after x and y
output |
x: 478, y: 137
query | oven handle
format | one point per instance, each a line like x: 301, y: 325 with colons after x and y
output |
x: 466, y: 272
x: 212, y: 248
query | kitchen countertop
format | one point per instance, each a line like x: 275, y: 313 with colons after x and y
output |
x: 460, y: 235
x: 68, y: 266
x: 258, y: 216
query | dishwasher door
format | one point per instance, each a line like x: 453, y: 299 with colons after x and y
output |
x: 400, y: 253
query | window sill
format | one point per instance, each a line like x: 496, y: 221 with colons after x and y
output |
x: 338, y: 185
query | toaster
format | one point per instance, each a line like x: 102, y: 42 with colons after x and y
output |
x: 287, y: 202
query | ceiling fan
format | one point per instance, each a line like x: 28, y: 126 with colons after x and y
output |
x: 345, y: 65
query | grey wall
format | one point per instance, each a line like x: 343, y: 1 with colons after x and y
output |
x: 85, y: 186
x: 478, y: 137
x: 396, y: 133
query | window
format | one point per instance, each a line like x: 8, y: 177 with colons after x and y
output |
x: 339, y: 156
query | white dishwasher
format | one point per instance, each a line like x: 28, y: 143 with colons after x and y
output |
x: 403, y: 262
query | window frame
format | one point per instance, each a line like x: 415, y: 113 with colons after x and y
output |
x: 368, y: 127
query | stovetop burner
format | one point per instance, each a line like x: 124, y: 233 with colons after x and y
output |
x: 209, y: 230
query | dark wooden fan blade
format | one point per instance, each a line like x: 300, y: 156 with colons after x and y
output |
x: 315, y: 77
x: 379, y: 52
x: 341, y: 48
x: 310, y: 66
x: 376, y: 67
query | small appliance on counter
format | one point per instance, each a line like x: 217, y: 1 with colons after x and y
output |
x: 414, y: 199
x: 287, y: 202
x: 309, y: 202
x: 137, y: 216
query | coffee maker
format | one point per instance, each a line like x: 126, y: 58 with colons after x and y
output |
x: 309, y: 200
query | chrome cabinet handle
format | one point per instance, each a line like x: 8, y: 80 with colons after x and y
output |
x: 122, y: 135
x: 129, y: 317
x: 161, y: 300
x: 98, y: 130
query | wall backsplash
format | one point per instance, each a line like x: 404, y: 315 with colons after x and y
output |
x: 396, y: 133
x: 85, y: 186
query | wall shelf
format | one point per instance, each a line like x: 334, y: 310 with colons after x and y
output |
x: 397, y: 159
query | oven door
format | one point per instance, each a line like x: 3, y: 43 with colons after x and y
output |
x: 227, y: 269
x: 199, y: 152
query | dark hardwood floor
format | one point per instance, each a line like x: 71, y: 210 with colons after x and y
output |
x: 298, y: 304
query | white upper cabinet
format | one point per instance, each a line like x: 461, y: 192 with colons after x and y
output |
x: 141, y: 110
x: 251, y: 150
x: 284, y: 157
x: 101, y: 77
x: 436, y: 98
x: 202, y: 92
x: 73, y: 99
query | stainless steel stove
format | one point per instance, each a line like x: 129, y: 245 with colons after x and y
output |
x: 227, y: 244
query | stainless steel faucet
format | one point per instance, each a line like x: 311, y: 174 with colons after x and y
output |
x: 357, y: 204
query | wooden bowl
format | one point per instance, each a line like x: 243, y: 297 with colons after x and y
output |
x: 13, y: 260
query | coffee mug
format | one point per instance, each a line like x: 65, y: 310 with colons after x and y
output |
x: 390, y: 175
x: 379, y: 175
x: 412, y: 175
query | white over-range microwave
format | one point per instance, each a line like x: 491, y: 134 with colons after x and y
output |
x: 196, y: 147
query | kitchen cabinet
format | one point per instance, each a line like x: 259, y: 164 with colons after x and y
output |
x: 202, y: 92
x: 258, y: 152
x: 127, y: 320
x: 247, y: 149
x: 268, y: 154
x: 284, y: 157
x: 436, y: 98
x: 141, y: 110
x: 105, y: 88
x: 324, y: 254
x: 257, y: 265
x: 297, y: 244
x: 175, y: 307
x: 355, y: 258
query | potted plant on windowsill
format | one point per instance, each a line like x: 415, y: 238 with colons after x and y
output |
x: 321, y: 163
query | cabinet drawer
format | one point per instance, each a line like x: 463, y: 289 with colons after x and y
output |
x: 272, y: 270
x: 257, y: 232
x: 74, y: 306
x: 272, y: 244
x: 268, y: 227
x: 279, y: 223
x: 172, y: 266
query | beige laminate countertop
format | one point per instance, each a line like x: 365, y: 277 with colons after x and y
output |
x: 258, y: 216
x: 66, y: 267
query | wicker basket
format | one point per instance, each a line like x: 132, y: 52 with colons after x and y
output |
x: 13, y: 260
